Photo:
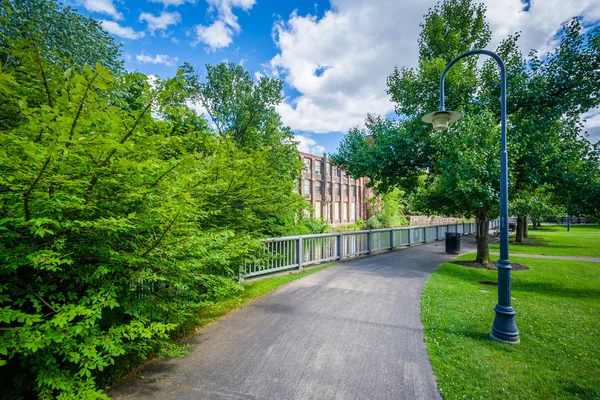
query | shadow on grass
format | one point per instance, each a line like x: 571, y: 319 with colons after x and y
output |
x: 471, y: 334
x: 580, y: 392
x: 554, y: 290
x: 474, y: 276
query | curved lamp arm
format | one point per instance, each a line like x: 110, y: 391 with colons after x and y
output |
x: 502, y: 85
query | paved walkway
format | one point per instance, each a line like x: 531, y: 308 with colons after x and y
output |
x: 567, y: 258
x: 351, y: 331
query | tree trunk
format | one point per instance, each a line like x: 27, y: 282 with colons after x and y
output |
x: 519, y: 238
x: 525, y: 227
x: 483, y: 226
x: 535, y: 224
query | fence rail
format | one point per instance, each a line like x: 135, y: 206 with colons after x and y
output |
x: 296, y: 252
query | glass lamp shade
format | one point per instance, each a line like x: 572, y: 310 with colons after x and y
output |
x: 441, y: 119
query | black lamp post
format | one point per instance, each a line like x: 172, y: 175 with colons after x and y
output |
x: 504, y: 328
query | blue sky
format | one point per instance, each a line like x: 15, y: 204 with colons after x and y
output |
x: 333, y: 56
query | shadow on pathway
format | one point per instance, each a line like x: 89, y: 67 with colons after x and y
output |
x: 351, y: 331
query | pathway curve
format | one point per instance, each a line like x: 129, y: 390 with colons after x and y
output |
x: 351, y: 331
x: 566, y: 258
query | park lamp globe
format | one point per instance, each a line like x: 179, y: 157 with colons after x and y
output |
x: 441, y: 119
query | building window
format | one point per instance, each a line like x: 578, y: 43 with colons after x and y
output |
x: 319, y: 189
x: 337, y: 189
x: 307, y: 165
x: 345, y: 190
x: 352, y: 211
x: 336, y: 211
x: 354, y: 191
x: 336, y: 172
x: 328, y: 168
x: 318, y: 165
x: 345, y: 211
x: 307, y: 186
x: 317, y: 209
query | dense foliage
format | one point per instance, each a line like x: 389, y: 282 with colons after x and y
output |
x: 457, y: 172
x: 122, y: 212
x: 60, y: 33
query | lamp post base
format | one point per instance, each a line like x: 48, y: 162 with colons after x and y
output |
x: 504, y: 328
x: 504, y: 341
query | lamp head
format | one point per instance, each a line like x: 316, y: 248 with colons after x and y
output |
x: 441, y: 119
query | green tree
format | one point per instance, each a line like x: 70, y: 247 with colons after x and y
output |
x: 238, y: 106
x: 448, y: 172
x: 59, y: 33
x: 243, y: 110
x: 546, y: 97
x: 455, y: 173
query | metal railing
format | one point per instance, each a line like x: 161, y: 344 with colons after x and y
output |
x: 296, y: 252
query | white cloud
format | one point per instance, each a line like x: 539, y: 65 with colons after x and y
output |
x: 216, y: 36
x: 157, y: 59
x: 309, y: 145
x: 161, y: 21
x: 174, y: 3
x: 220, y: 33
x: 339, y: 62
x: 121, y: 31
x: 103, y: 7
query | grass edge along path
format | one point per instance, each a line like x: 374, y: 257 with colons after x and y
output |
x: 253, y: 289
x: 557, y: 307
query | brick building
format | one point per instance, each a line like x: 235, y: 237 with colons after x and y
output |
x: 334, y: 195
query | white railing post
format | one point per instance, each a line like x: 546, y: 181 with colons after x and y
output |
x: 424, y: 235
x: 391, y: 238
x: 369, y: 241
x: 299, y: 252
x: 409, y: 234
x: 340, y: 250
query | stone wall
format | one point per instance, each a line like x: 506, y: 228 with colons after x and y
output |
x: 420, y: 220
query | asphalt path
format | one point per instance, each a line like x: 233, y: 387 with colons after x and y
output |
x: 350, y: 331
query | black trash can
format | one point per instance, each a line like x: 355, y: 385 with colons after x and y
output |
x: 452, y: 243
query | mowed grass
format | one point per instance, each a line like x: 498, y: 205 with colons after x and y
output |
x: 558, y: 316
x: 554, y: 240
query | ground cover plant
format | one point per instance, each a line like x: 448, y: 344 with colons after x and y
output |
x: 557, y: 308
x: 554, y: 240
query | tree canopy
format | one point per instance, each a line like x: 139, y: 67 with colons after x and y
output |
x: 59, y: 33
x: 456, y: 172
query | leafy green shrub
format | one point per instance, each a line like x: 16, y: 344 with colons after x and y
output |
x: 216, y: 287
x: 313, y: 225
x: 112, y: 221
x: 373, y: 223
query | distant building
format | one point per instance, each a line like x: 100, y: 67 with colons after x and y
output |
x: 334, y: 195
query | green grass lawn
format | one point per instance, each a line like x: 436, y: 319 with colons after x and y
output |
x: 554, y: 240
x: 558, y: 309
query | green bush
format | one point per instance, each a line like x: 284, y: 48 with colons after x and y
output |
x: 373, y: 223
x: 311, y: 225
x: 115, y: 225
